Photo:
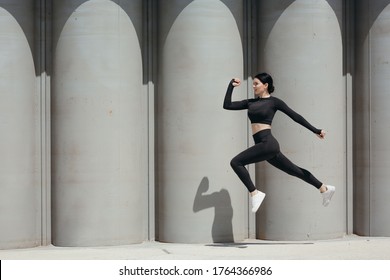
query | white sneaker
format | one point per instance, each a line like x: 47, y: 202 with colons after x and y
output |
x: 327, y: 196
x: 257, y: 199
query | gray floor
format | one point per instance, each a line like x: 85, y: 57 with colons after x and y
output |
x: 347, y: 248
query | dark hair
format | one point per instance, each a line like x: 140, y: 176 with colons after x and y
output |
x: 266, y: 79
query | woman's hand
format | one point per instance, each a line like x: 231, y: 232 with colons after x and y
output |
x: 322, y: 134
x: 236, y: 82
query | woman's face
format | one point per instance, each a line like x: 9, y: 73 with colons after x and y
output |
x: 259, y: 88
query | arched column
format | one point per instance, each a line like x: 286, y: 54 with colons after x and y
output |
x: 200, y: 50
x: 371, y: 114
x: 20, y: 127
x: 99, y: 125
x: 301, y: 46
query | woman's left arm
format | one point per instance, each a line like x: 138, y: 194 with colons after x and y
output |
x: 282, y: 106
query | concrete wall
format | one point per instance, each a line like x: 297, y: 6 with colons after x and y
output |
x: 371, y: 118
x: 113, y: 130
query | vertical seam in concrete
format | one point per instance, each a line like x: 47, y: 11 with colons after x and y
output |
x: 44, y: 126
x: 149, y: 49
x: 369, y: 118
x: 346, y: 35
x: 348, y: 25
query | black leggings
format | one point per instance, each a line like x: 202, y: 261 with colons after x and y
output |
x: 267, y: 148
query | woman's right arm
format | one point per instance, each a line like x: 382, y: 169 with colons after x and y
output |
x: 236, y: 105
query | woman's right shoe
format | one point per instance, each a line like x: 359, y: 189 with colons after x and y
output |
x: 257, y: 199
x: 327, y: 196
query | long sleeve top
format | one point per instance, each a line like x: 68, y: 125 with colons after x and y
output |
x: 262, y: 110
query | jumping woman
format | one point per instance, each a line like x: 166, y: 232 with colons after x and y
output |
x: 261, y: 111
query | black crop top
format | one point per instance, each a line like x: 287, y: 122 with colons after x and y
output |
x: 262, y: 110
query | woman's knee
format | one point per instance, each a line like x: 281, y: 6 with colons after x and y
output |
x: 234, y: 163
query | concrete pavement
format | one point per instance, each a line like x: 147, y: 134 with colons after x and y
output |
x: 348, y: 248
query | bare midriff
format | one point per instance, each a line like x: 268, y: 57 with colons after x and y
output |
x: 256, y: 127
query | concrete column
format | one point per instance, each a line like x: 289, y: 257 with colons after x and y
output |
x: 19, y: 126
x: 371, y: 111
x: 200, y: 50
x: 99, y: 124
x: 300, y: 45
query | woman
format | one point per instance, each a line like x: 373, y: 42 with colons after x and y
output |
x: 261, y: 111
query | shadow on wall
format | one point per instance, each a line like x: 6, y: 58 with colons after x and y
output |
x: 365, y: 21
x: 70, y: 8
x: 21, y: 11
x: 268, y: 15
x: 28, y: 14
x: 222, y: 228
x: 172, y: 12
x: 25, y: 14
